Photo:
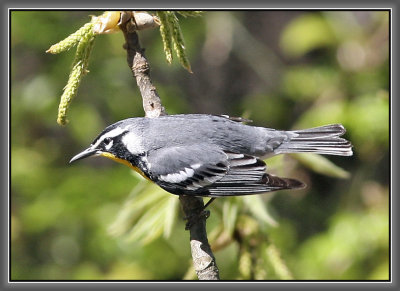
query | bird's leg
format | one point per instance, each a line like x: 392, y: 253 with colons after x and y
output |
x: 209, y: 202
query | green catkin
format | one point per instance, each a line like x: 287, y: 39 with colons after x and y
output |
x: 245, y: 264
x: 259, y: 270
x: 69, y: 92
x: 190, y: 13
x: 179, y: 44
x: 87, y: 52
x: 84, y: 37
x: 277, y: 263
x: 71, y: 40
x: 166, y: 35
x: 79, y: 68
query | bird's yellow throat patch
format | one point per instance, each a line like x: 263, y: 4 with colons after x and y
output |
x: 125, y: 162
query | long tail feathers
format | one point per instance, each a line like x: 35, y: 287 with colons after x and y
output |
x: 280, y: 183
x: 320, y: 140
x: 268, y: 183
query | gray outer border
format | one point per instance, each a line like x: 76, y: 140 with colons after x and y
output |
x: 205, y: 4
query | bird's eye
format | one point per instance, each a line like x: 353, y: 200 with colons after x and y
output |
x: 108, y: 143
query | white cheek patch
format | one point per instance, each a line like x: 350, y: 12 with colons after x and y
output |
x: 133, y: 143
x: 178, y: 177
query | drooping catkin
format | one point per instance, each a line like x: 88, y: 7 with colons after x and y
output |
x: 166, y: 35
x: 79, y: 69
x: 178, y: 41
x: 71, y: 40
x: 277, y: 263
x: 186, y: 13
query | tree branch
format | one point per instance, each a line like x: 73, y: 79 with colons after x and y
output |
x: 203, y: 258
x: 137, y: 62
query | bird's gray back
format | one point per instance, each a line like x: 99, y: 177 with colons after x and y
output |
x: 182, y: 130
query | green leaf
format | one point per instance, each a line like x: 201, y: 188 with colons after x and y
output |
x: 170, y: 215
x: 229, y: 214
x: 305, y: 33
x: 148, y: 213
x: 321, y: 165
x: 328, y: 112
x: 258, y: 208
x: 369, y: 111
x: 307, y: 83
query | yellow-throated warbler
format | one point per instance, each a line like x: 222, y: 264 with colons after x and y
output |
x: 206, y: 155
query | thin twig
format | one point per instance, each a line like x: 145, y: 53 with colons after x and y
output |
x: 203, y: 258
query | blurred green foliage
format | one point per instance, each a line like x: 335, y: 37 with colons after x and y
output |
x: 282, y: 69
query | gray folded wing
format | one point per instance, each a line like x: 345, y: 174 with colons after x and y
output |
x: 207, y: 170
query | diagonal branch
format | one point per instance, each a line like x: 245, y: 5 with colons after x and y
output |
x: 141, y: 71
x: 203, y: 258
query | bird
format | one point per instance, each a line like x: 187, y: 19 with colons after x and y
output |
x: 210, y: 155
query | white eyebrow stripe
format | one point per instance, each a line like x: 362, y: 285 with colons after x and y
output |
x: 113, y: 133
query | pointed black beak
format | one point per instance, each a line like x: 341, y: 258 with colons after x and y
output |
x: 86, y: 153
